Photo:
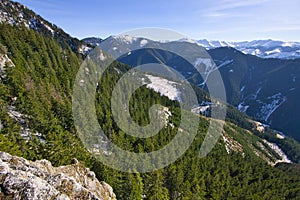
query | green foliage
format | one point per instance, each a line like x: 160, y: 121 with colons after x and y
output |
x: 42, y: 81
x: 235, y: 116
x: 217, y: 176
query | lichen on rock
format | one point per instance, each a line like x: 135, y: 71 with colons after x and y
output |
x: 23, y: 179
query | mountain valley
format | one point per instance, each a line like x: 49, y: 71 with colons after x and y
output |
x: 254, y: 157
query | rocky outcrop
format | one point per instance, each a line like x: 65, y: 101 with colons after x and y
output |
x: 39, y: 180
x: 4, y: 61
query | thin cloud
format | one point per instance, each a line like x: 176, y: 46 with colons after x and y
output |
x: 46, y: 7
x: 229, y: 8
x: 234, y: 4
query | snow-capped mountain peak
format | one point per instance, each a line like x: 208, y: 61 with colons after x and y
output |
x: 188, y: 40
x: 261, y: 48
x: 124, y: 38
x: 209, y: 44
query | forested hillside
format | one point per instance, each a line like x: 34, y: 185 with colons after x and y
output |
x: 37, y: 122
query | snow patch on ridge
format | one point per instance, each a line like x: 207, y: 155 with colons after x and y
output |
x: 243, y: 108
x: 208, y: 63
x: 84, y: 49
x: 49, y: 28
x: 279, y: 152
x: 232, y: 145
x: 143, y: 42
x: 164, y: 87
x: 273, y: 51
x: 210, y: 66
x: 125, y: 38
x: 269, y: 108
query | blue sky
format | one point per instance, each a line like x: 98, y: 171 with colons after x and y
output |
x: 230, y: 20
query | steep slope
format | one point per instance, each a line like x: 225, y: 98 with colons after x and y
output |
x: 36, y: 97
x: 239, y: 152
x: 16, y: 14
x: 266, y: 89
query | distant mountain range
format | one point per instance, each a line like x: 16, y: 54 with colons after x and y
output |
x: 266, y: 89
x: 261, y: 48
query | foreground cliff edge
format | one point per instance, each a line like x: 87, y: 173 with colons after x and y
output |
x: 23, y: 179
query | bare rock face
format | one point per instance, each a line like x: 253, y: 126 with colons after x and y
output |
x: 39, y: 180
x: 4, y: 61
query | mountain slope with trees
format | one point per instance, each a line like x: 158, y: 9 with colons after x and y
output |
x: 265, y: 89
x: 37, y: 123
